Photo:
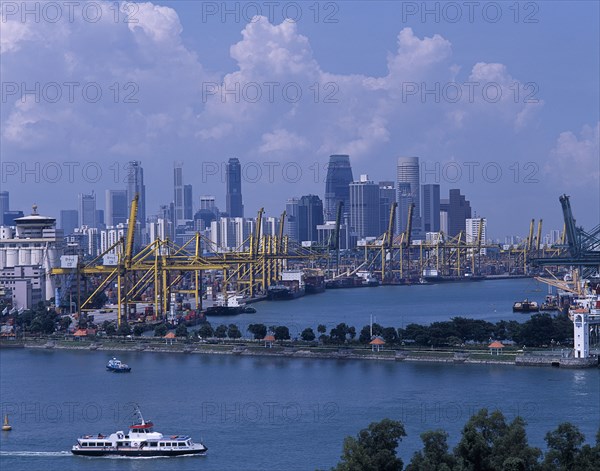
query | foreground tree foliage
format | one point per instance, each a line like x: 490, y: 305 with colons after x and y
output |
x: 374, y: 449
x: 487, y: 443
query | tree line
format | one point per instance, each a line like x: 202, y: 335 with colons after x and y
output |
x: 487, y: 443
x: 537, y: 331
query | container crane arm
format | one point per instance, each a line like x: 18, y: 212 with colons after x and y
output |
x: 389, y: 235
x: 131, y: 230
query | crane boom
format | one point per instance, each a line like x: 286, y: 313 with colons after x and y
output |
x: 409, y: 223
x: 131, y: 230
x: 389, y: 235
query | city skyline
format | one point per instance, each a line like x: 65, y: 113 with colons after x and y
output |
x: 396, y: 96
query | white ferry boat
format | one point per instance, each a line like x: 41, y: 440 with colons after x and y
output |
x: 139, y: 441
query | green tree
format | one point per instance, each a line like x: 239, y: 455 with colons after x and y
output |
x: 139, y: 329
x: 321, y: 329
x: 258, y: 330
x: 160, y: 330
x: 221, y: 331
x: 282, y: 333
x: 205, y: 331
x: 124, y: 329
x: 564, y: 446
x: 233, y: 332
x: 181, y: 330
x: 389, y: 334
x: 374, y: 448
x: 365, y: 332
x: 435, y: 456
x: 65, y: 322
x: 489, y: 444
x: 338, y: 333
x: 308, y: 335
x: 109, y: 327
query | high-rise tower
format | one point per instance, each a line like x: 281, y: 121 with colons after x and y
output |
x: 135, y: 184
x: 408, y: 191
x: 364, y: 207
x: 233, y: 174
x: 337, y: 185
x: 115, y: 207
x: 430, y: 201
x: 87, y: 210
x: 178, y: 193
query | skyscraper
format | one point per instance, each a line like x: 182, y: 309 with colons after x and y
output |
x: 430, y: 205
x: 409, y: 189
x: 188, y: 210
x: 4, y: 204
x: 115, y: 205
x: 178, y: 193
x: 364, y: 207
x: 459, y: 210
x: 135, y: 184
x: 387, y: 195
x: 233, y: 175
x: 337, y: 185
x: 87, y: 210
x: 291, y: 216
x: 69, y: 220
x: 310, y: 215
x: 405, y: 199
x: 472, y: 231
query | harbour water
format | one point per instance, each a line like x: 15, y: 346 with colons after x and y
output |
x: 279, y: 413
x: 395, y: 306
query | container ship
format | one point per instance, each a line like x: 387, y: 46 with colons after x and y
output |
x: 290, y: 286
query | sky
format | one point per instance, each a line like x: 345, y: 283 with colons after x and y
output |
x: 499, y: 99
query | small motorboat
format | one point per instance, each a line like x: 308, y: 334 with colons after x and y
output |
x: 116, y: 366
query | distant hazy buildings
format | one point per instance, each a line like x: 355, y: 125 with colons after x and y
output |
x: 430, y: 204
x: 364, y: 207
x: 115, y: 207
x: 228, y: 234
x: 337, y: 185
x: 233, y: 196
x: 310, y: 215
x: 408, y: 188
x: 459, y: 210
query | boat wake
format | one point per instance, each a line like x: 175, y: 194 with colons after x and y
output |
x: 35, y: 453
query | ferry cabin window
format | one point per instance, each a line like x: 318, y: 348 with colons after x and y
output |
x: 181, y: 444
x: 153, y: 443
x: 107, y: 444
x: 83, y: 444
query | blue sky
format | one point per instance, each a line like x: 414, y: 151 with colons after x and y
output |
x: 162, y: 100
